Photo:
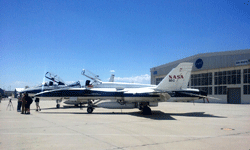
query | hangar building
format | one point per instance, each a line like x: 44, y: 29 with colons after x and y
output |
x: 223, y: 75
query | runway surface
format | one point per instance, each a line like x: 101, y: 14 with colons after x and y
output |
x: 171, y: 126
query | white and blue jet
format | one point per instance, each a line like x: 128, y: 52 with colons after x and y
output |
x: 129, y: 94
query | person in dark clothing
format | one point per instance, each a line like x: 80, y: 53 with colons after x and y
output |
x: 23, y: 104
x: 28, y: 102
x: 37, y: 104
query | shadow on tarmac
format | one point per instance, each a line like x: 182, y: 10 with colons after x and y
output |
x: 159, y: 115
x: 156, y: 115
x: 65, y: 107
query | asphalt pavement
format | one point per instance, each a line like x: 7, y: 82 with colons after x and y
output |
x: 203, y: 126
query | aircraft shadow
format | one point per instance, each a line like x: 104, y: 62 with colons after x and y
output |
x: 64, y: 107
x: 159, y: 115
x: 156, y: 115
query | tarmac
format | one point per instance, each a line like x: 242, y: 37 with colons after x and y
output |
x: 203, y: 126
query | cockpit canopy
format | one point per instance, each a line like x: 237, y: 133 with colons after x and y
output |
x: 76, y: 84
x: 54, y: 78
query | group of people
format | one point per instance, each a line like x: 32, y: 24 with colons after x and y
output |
x: 24, y: 103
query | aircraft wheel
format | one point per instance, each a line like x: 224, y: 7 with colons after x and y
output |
x: 89, y: 110
x: 57, y: 105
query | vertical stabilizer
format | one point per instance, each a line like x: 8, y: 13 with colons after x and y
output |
x: 112, y: 78
x: 177, y: 78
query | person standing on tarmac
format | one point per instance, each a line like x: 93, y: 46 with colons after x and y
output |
x: 19, y: 103
x: 23, y: 103
x: 37, y: 104
x: 27, y: 106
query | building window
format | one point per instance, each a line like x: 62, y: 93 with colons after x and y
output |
x: 246, y: 81
x: 201, y: 82
x: 215, y: 80
x: 209, y: 78
x: 220, y: 90
x: 220, y: 79
x: 158, y: 80
x: 224, y: 90
x: 227, y: 77
x: 246, y: 75
x: 246, y: 89
x: 233, y: 79
x: 201, y: 79
x: 224, y: 80
x: 209, y: 91
x: 238, y: 79
x: 245, y: 78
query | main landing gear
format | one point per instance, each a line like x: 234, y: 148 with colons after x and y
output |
x: 145, y: 109
x: 90, y: 110
x: 143, y: 106
x: 58, y: 101
x: 90, y: 106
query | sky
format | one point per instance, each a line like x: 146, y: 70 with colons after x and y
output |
x: 124, y: 37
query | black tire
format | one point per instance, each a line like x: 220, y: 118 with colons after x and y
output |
x: 57, y: 105
x: 89, y: 110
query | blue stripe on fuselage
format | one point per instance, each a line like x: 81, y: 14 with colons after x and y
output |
x: 33, y: 91
x: 92, y: 93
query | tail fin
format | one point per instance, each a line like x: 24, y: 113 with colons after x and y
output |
x: 112, y: 78
x: 177, y: 78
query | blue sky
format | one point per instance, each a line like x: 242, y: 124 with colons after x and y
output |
x: 128, y: 36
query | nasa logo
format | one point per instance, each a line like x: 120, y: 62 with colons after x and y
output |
x: 174, y: 77
x: 171, y: 79
x: 199, y: 63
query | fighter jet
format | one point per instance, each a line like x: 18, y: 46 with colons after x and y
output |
x: 140, y: 97
x: 182, y: 94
